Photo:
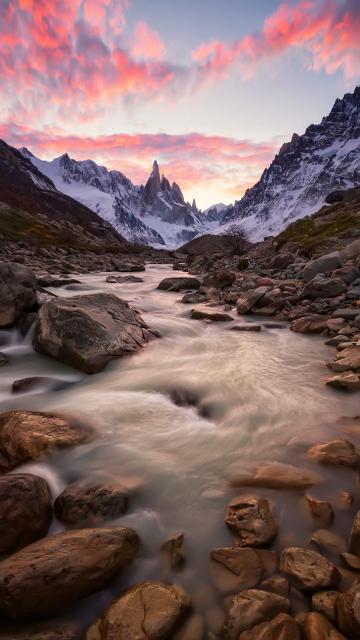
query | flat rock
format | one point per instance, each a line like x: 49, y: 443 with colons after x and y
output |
x: 39, y: 383
x: 252, y: 520
x: 337, y: 453
x: 277, y: 476
x: 252, y: 607
x: 148, y: 611
x: 347, y: 313
x: 282, y: 627
x: 308, y: 570
x: 179, y: 284
x: 346, y: 381
x: 235, y: 568
x: 29, y: 435
x: 87, y: 504
x: 348, y: 612
x: 50, y: 575
x: 86, y: 332
x: 214, y: 316
x: 246, y: 327
x: 324, y: 602
x: 26, y: 511
x: 115, y: 279
x: 17, y: 292
x: 354, y: 540
x: 317, y: 627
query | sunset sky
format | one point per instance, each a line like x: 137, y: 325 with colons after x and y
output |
x: 210, y: 88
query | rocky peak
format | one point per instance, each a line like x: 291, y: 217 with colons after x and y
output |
x: 153, y: 185
x: 177, y: 193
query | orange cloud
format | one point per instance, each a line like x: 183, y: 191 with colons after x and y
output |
x: 147, y: 43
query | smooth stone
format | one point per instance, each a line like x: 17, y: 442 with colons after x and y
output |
x: 347, y: 313
x: 277, y: 476
x: 313, y: 323
x: 213, y: 316
x: 252, y: 520
x: 317, y: 627
x: 325, y: 263
x: 351, y: 561
x: 39, y: 383
x: 87, y: 504
x: 282, y: 627
x: 178, y: 284
x: 54, y: 281
x: 337, y: 453
x: 252, y: 607
x: 320, y: 510
x: 324, y: 602
x: 328, y: 541
x: 235, y: 568
x: 245, y: 327
x: 348, y: 612
x: 308, y: 570
x: 174, y: 550
x: 17, y: 292
x: 219, y: 279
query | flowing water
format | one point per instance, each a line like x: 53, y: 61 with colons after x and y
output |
x: 183, y: 416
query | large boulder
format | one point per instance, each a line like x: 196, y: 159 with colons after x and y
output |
x: 308, y: 570
x: 17, y: 292
x: 281, y: 261
x: 252, y: 520
x: 52, y: 574
x: 328, y: 262
x: 88, y: 504
x: 282, y: 627
x: 324, y: 288
x: 348, y: 611
x: 29, y: 435
x: 252, y: 607
x: 219, y: 279
x: 148, y: 611
x: 26, y: 512
x: 86, y: 332
x: 179, y: 284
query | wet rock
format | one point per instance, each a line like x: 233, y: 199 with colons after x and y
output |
x: 131, y: 279
x: 178, y: 284
x: 213, y: 316
x: 308, y: 570
x: 54, y: 281
x: 320, y: 510
x: 130, y: 266
x: 17, y: 292
x: 337, y: 453
x: 148, y: 611
x: 3, y: 359
x: 250, y: 298
x: 235, y: 568
x: 50, y: 575
x: 324, y: 602
x: 245, y: 327
x: 348, y: 612
x: 190, y: 298
x: 348, y: 359
x: 317, y: 627
x: 276, y: 584
x: 220, y: 279
x: 346, y: 381
x: 252, y: 520
x: 354, y: 541
x: 324, y: 288
x: 328, y: 541
x: 29, y: 435
x: 277, y: 476
x: 174, y: 550
x: 313, y: 323
x: 282, y: 627
x: 26, y: 512
x: 86, y: 504
x: 88, y: 331
x: 351, y: 561
x: 250, y: 608
x: 39, y: 383
x: 328, y: 262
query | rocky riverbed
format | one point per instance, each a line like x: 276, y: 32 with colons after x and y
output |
x: 203, y: 484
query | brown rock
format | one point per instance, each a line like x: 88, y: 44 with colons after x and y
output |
x: 338, y: 453
x: 317, y: 627
x: 245, y: 327
x: 277, y: 476
x: 310, y: 324
x: 328, y: 541
x: 179, y: 284
x: 29, y: 435
x: 354, y: 542
x: 174, y: 550
x: 308, y: 570
x: 213, y: 316
x: 283, y: 627
x: 25, y: 507
x: 248, y: 299
x: 320, y: 510
x: 252, y: 520
x: 17, y: 292
x: 351, y: 561
x: 324, y: 602
x: 235, y: 568
x: 148, y: 611
x: 348, y: 612
x: 276, y: 584
x: 50, y: 575
x: 87, y: 504
x: 348, y: 381
x: 250, y: 608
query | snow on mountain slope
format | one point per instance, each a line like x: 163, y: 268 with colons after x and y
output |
x: 325, y: 158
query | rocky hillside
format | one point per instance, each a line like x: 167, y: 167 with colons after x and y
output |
x: 326, y: 157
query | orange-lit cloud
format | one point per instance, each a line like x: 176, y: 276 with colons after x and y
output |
x: 147, y: 43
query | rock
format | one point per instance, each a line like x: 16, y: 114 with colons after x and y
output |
x: 114, y: 279
x: 308, y: 570
x: 29, y: 435
x: 313, y: 323
x: 39, y: 383
x: 245, y: 327
x: 324, y: 288
x: 86, y: 504
x: 55, y: 281
x: 354, y: 541
x: 249, y: 298
x: 282, y: 627
x: 193, y: 629
x: 351, y: 561
x: 277, y: 476
x: 3, y: 359
x: 347, y: 360
x: 347, y: 313
x: 320, y: 510
x: 174, y: 551
x: 346, y: 381
x: 276, y: 584
x: 26, y: 512
x: 50, y: 575
x: 220, y: 279
x: 348, y: 612
x: 235, y: 568
x: 328, y: 541
x: 191, y: 298
x: 17, y: 292
x: 324, y: 602
x: 347, y: 273
x: 178, y: 284
x: 130, y: 266
x: 328, y: 262
x: 252, y: 520
x: 54, y: 630
x: 317, y: 627
x: 252, y: 607
x: 281, y: 261
x: 337, y: 453
x: 88, y: 331
x: 214, y: 316
x: 148, y: 611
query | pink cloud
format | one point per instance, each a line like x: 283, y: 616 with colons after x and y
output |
x: 147, y: 43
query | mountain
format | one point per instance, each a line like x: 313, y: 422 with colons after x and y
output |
x: 155, y: 214
x: 325, y: 158
x: 32, y: 208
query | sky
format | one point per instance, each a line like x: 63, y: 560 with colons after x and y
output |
x: 209, y: 88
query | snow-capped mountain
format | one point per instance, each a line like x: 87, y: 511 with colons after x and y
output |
x: 326, y: 157
x: 156, y: 214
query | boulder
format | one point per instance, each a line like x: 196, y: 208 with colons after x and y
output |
x: 347, y: 359
x: 282, y: 627
x: 348, y: 612
x: 148, y: 611
x: 308, y: 570
x: 178, y: 284
x: 250, y: 298
x: 220, y: 279
x: 213, y: 316
x: 29, y: 435
x: 3, y: 359
x: 277, y: 476
x: 328, y: 542
x: 86, y: 504
x: 252, y: 607
x: 252, y: 520
x: 26, y: 512
x: 324, y: 288
x: 191, y: 298
x: 235, y: 568
x: 328, y: 262
x: 337, y: 453
x: 346, y: 381
x: 86, y: 332
x: 17, y: 292
x: 313, y: 323
x: 317, y: 627
x: 50, y: 575
x: 324, y: 602
x: 354, y: 541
